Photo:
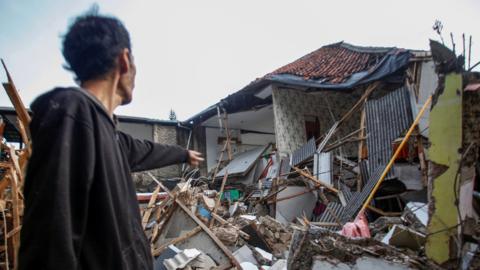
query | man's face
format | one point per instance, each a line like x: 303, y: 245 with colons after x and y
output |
x: 127, y: 81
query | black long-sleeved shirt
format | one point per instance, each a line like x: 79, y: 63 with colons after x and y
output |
x: 81, y: 210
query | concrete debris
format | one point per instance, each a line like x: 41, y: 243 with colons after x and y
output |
x: 248, y: 266
x: 245, y: 254
x: 229, y: 236
x: 364, y: 263
x: 202, y: 262
x: 404, y: 237
x: 262, y: 257
x: 327, y: 249
x: 277, y: 235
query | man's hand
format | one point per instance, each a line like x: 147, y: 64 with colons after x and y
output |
x: 194, y: 158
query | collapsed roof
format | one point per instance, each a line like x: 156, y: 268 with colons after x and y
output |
x: 338, y: 66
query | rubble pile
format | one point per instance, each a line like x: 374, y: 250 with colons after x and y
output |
x: 319, y: 207
x: 335, y: 250
x: 277, y: 236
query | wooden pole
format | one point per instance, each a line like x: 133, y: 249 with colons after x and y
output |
x: 219, y: 198
x: 361, y: 147
x: 159, y: 250
x: 318, y: 182
x: 395, y: 155
x: 16, y: 100
x: 148, y: 211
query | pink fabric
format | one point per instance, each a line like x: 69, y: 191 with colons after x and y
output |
x: 357, y: 228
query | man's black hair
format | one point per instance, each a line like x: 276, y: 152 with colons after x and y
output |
x: 92, y: 45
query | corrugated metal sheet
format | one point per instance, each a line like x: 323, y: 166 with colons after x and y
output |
x: 243, y: 162
x: 337, y: 209
x: 347, y: 193
x: 334, y: 207
x: 363, y: 165
x: 304, y: 152
x: 354, y: 205
x: 386, y: 119
x: 322, y: 167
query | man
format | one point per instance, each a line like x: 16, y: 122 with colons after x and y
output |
x: 81, y: 210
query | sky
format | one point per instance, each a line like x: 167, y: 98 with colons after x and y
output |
x: 191, y: 54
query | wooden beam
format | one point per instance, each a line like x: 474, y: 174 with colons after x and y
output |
x: 159, y: 250
x: 148, y: 211
x: 292, y: 196
x: 395, y: 155
x: 362, y: 148
x: 204, y: 227
x: 317, y: 182
x: 383, y: 213
x: 325, y: 224
x: 16, y: 100
x: 219, y: 197
x: 15, y: 213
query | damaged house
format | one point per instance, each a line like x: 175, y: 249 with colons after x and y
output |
x: 347, y: 158
x: 303, y: 113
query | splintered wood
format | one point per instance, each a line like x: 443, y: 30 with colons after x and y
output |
x: 12, y: 167
x: 176, y: 223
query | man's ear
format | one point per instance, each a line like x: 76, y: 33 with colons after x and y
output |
x: 124, y: 61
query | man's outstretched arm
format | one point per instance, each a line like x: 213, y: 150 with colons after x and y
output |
x: 146, y: 155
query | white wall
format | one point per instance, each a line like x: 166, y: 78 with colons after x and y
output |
x: 248, y: 141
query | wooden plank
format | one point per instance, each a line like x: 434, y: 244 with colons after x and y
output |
x: 14, y: 231
x: 220, y: 160
x: 16, y: 100
x: 5, y: 239
x: 164, y: 221
x: 159, y: 250
x: 4, y: 184
x: 15, y: 213
x: 148, y: 211
x: 292, y: 196
x: 204, y: 227
x: 324, y: 224
x: 16, y: 166
x: 224, y: 222
x: 362, y: 149
x: 383, y: 213
x: 219, y: 197
x: 317, y: 182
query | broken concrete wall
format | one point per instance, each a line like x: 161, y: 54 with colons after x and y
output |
x: 292, y: 107
x: 454, y: 153
x: 445, y: 136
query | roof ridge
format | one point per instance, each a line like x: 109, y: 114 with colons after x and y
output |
x: 361, y: 49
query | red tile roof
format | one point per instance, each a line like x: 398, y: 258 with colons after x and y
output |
x: 334, y: 63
